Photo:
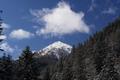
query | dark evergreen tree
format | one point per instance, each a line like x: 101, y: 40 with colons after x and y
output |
x: 6, y: 68
x: 25, y: 70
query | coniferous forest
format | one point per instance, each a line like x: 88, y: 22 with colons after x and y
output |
x: 98, y: 58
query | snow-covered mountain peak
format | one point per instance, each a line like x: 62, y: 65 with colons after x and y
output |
x: 58, y: 44
x: 56, y: 49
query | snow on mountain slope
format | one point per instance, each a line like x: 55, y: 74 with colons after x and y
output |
x: 57, y: 49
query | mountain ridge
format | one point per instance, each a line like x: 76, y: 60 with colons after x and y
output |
x: 56, y: 49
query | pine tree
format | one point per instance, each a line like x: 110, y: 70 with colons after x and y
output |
x: 6, y: 68
x: 26, y: 71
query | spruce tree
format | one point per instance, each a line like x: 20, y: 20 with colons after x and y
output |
x: 6, y: 68
x: 26, y: 71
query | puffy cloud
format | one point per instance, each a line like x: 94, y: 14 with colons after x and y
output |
x: 60, y: 20
x: 20, y: 34
x: 109, y: 11
x: 6, y: 47
x: 5, y: 25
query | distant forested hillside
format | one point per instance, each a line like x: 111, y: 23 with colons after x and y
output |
x: 96, y: 59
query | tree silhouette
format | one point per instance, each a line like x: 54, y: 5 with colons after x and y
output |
x: 1, y: 29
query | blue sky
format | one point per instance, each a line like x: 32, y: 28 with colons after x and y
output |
x: 38, y: 23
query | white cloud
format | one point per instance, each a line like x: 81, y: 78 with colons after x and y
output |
x: 3, y: 37
x: 5, y: 25
x: 20, y: 34
x: 60, y: 20
x: 6, y: 47
x: 109, y: 11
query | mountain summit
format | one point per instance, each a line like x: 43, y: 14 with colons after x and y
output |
x: 55, y: 50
